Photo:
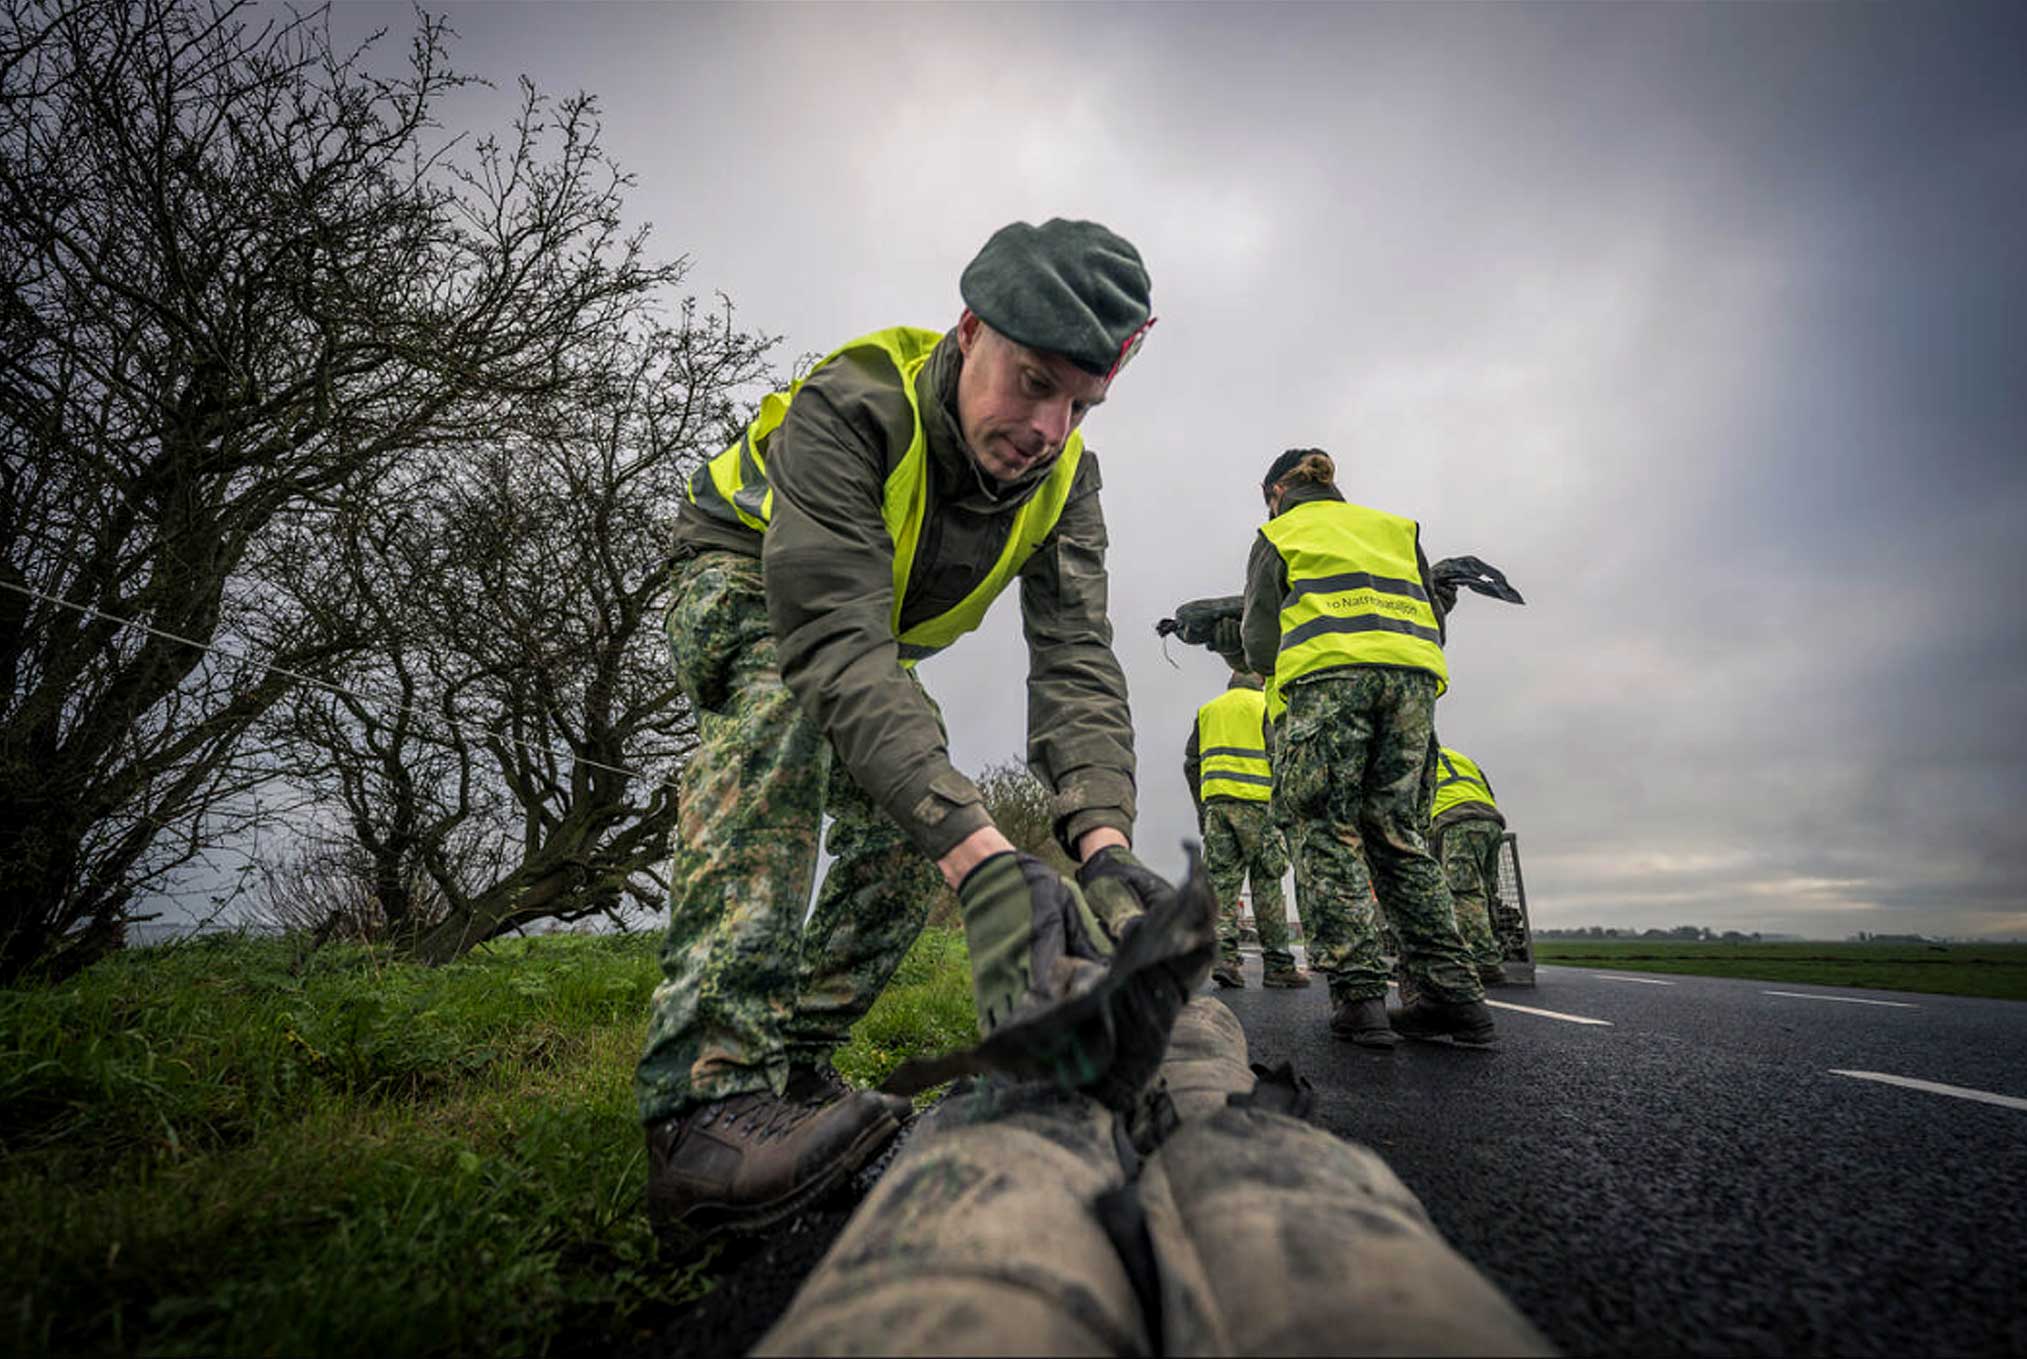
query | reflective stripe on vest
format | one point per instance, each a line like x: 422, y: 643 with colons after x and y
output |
x: 1231, y: 761
x: 1458, y: 781
x: 733, y: 487
x: 1355, y: 593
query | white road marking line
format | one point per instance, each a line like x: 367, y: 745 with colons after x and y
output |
x: 1843, y: 1000
x: 1644, y: 981
x: 1936, y: 1088
x: 1530, y: 1010
x: 1549, y: 1014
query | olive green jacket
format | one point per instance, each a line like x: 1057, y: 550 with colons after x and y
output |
x: 1267, y: 587
x: 830, y: 598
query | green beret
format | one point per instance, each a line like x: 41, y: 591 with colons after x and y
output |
x: 1069, y: 288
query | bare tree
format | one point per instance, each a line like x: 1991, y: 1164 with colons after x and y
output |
x: 244, y: 274
x: 516, y: 688
x: 321, y: 884
x: 1018, y: 803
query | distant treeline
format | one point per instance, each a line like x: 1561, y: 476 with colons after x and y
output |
x: 1692, y: 933
x: 1702, y: 934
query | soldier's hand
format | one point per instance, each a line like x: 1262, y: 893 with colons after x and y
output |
x: 1226, y: 639
x: 1100, y: 1028
x: 1020, y: 917
x: 1119, y: 888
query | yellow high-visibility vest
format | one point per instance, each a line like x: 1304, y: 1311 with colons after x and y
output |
x: 1458, y: 781
x: 733, y: 487
x: 1232, y: 759
x: 1355, y: 594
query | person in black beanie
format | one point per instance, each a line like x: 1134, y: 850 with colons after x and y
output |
x: 1340, y: 610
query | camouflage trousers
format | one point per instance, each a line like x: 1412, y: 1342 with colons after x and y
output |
x: 1349, y: 764
x: 1469, y: 852
x: 1241, y: 841
x: 748, y: 985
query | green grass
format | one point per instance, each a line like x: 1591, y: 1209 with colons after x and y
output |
x: 232, y: 1147
x: 926, y: 1008
x: 1997, y: 971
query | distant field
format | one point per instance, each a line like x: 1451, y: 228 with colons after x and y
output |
x: 1997, y: 971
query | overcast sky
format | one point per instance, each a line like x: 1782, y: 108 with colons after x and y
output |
x: 1708, y: 324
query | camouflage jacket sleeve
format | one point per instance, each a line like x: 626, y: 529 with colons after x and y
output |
x: 1266, y: 587
x: 1080, y: 731
x: 1192, y: 769
x: 830, y: 599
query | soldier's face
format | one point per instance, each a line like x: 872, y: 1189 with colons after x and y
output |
x: 1016, y: 406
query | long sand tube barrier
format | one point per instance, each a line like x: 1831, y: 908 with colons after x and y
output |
x: 1021, y: 1220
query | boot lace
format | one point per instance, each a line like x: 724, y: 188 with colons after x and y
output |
x: 761, y: 1115
x: 814, y: 1083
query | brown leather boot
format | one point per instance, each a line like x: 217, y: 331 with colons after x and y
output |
x: 1465, y: 1021
x: 743, y: 1163
x: 1285, y: 976
x: 1363, y: 1023
x: 1228, y: 975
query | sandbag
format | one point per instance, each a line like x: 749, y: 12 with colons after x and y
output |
x: 1206, y: 1060
x: 1310, y: 1246
x: 1196, y: 620
x: 1205, y: 1066
x: 1021, y: 1219
x: 980, y: 1240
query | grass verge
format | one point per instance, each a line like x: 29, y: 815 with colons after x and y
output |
x: 1994, y: 971
x: 926, y: 1008
x: 234, y: 1147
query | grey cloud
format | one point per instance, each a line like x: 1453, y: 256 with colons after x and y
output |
x: 1702, y: 321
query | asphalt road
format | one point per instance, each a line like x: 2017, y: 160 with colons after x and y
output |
x: 1691, y: 1176
x: 1687, y: 1176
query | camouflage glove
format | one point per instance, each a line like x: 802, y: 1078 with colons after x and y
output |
x: 1120, y: 888
x: 1020, y: 917
x: 1084, y: 1026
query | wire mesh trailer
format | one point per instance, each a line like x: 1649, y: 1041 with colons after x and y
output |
x: 1510, y: 924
